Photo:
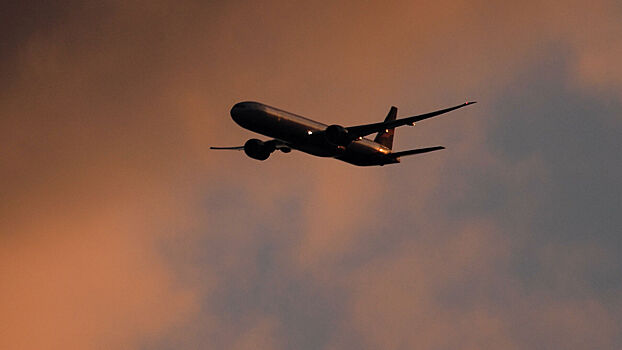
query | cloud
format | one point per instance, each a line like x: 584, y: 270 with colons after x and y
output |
x: 120, y: 229
x: 87, y: 199
x: 86, y: 284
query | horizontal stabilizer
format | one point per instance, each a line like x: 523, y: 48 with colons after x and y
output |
x: 416, y: 151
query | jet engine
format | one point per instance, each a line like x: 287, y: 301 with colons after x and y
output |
x: 337, y: 135
x: 258, y: 149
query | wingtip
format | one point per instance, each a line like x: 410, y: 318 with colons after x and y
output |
x: 469, y: 103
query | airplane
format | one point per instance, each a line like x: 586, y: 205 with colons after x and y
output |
x: 349, y: 144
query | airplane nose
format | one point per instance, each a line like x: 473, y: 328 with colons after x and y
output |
x: 236, y: 111
x: 241, y: 111
x: 236, y: 108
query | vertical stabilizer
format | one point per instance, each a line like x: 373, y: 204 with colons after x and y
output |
x: 385, y: 137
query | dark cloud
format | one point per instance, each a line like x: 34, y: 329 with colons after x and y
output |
x: 575, y: 138
x: 119, y: 225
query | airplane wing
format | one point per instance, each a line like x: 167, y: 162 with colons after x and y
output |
x: 364, y: 130
x: 273, y: 144
x: 234, y: 148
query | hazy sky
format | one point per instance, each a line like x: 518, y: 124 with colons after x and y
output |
x: 120, y: 229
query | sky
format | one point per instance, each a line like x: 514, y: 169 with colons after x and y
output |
x: 119, y: 228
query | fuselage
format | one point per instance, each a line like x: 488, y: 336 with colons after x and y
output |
x: 307, y: 135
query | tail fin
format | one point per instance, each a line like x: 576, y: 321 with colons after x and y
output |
x: 385, y: 137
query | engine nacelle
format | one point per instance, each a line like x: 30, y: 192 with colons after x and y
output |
x: 258, y: 149
x: 337, y: 135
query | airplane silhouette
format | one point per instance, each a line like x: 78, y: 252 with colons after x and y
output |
x: 290, y: 131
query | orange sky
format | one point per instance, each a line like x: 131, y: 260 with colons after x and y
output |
x: 120, y: 229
